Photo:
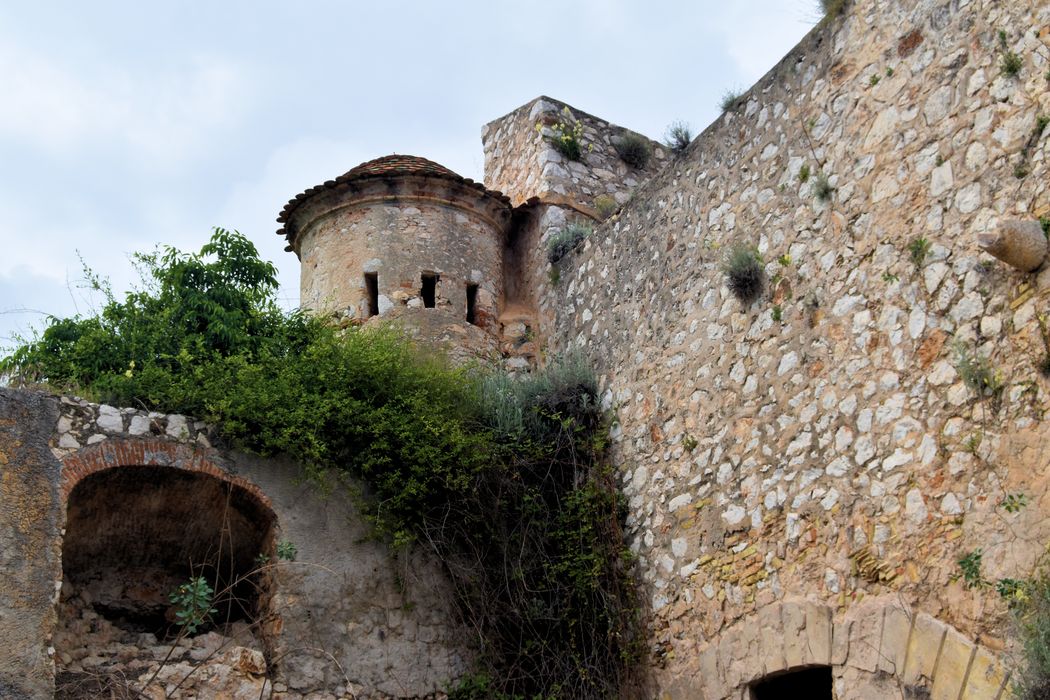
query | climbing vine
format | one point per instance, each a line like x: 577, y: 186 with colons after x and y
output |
x: 505, y: 479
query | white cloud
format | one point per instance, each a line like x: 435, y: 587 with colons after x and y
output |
x: 158, y: 117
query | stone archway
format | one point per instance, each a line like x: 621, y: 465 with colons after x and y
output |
x: 876, y: 648
x: 143, y: 517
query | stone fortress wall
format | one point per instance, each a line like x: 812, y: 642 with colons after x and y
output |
x: 820, y: 444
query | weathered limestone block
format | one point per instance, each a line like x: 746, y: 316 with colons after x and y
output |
x: 923, y: 649
x: 865, y: 635
x: 952, y: 666
x: 896, y: 626
x: 1020, y: 244
x: 986, y: 678
x: 772, y: 640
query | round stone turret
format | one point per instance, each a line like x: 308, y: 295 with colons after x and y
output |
x: 405, y: 239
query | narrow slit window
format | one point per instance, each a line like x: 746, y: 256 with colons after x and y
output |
x: 472, y: 300
x: 429, y: 290
x: 372, y: 286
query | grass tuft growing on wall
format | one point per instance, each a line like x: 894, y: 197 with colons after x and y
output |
x: 565, y: 241
x: 632, y: 149
x: 744, y: 272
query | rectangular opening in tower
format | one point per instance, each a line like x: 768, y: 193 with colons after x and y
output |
x: 429, y: 289
x: 472, y: 300
x: 372, y: 287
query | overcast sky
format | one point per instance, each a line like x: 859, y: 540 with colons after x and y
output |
x: 129, y: 124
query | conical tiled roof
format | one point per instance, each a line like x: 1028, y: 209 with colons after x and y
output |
x: 386, y: 166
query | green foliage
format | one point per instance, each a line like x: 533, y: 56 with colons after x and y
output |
x: 1041, y: 122
x: 832, y: 8
x: 605, y: 205
x: 803, y: 173
x: 632, y: 149
x: 874, y: 80
x: 729, y: 99
x: 778, y: 313
x: 567, y: 135
x: 678, y: 136
x: 287, y: 551
x: 970, y: 569
x: 689, y: 443
x: 889, y: 72
x: 784, y: 260
x: 1044, y: 221
x: 977, y: 372
x: 890, y: 278
x: 1030, y: 606
x: 822, y: 188
x: 193, y: 604
x: 505, y: 480
x: 1009, y: 63
x: 565, y: 241
x: 1014, y: 502
x: 745, y: 275
x: 918, y: 250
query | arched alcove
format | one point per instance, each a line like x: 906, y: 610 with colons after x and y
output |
x: 135, y: 534
x: 142, y: 518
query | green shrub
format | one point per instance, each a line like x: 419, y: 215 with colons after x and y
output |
x: 678, y: 137
x: 506, y: 481
x: 193, y: 604
x: 832, y: 8
x: 729, y: 99
x: 745, y: 274
x: 566, y: 136
x: 605, y: 205
x: 1009, y: 63
x: 803, y: 173
x: 977, y: 372
x: 1030, y: 609
x: 822, y: 188
x: 632, y: 149
x: 918, y: 250
x: 565, y: 241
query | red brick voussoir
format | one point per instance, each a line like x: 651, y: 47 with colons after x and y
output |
x: 147, y: 452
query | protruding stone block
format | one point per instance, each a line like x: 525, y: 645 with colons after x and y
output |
x: 1020, y: 244
x: 818, y: 634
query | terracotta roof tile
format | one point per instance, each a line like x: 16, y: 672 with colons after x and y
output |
x: 386, y: 166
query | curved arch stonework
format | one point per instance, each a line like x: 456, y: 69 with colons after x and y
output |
x: 879, y: 648
x: 147, y: 452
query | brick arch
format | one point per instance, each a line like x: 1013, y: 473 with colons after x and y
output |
x: 876, y: 648
x: 147, y: 452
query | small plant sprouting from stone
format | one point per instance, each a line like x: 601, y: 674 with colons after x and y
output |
x: 940, y: 160
x: 605, y: 205
x: 890, y: 278
x: 632, y: 149
x: 287, y: 551
x: 1010, y: 63
x: 832, y: 8
x: 689, y: 442
x: 919, y: 250
x: 778, y: 313
x: 567, y: 135
x: 1021, y: 170
x: 562, y: 243
x: 729, y: 99
x: 261, y: 560
x: 889, y: 72
x: 745, y: 274
x: 973, y: 443
x: 784, y: 260
x: 678, y: 136
x: 1041, y: 122
x: 803, y: 173
x: 1014, y: 502
x: 822, y: 188
x: 193, y: 604
x: 1044, y: 221
x: 977, y: 372
x: 970, y: 570
x: 554, y: 276
x: 874, y: 79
